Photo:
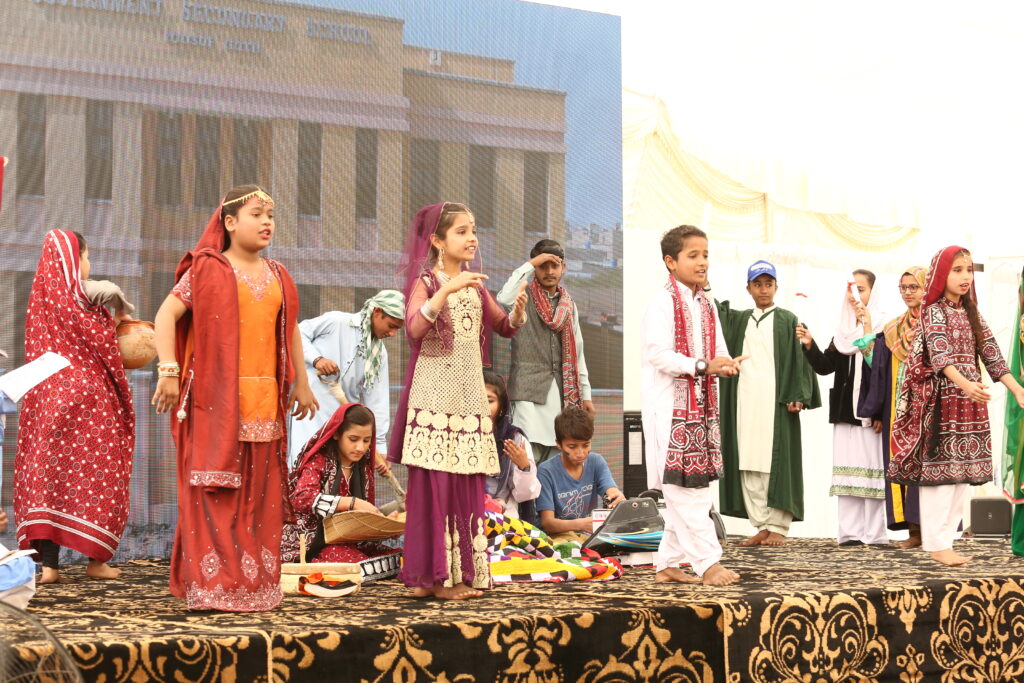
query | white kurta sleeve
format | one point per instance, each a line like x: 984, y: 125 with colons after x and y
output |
x: 507, y: 294
x: 525, y: 485
x: 658, y: 340
x: 316, y: 329
x: 581, y: 361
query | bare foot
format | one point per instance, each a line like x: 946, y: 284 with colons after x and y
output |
x: 756, y: 539
x: 457, y: 592
x: 101, y: 570
x: 717, y: 575
x: 674, y: 575
x: 950, y: 557
x: 51, y: 575
x: 775, y: 539
x: 421, y: 592
x: 912, y: 542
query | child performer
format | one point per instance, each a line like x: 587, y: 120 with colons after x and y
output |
x: 444, y: 432
x: 230, y: 319
x: 76, y: 434
x: 516, y: 486
x: 761, y: 447
x: 878, y: 392
x: 683, y: 351
x: 1013, y: 460
x: 334, y: 473
x: 941, y: 439
x: 858, y: 476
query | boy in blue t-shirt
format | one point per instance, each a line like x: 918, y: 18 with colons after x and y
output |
x: 572, y: 485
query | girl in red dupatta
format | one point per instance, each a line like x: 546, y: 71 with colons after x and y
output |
x: 76, y: 433
x: 333, y: 473
x: 443, y: 432
x: 231, y: 321
x: 941, y: 439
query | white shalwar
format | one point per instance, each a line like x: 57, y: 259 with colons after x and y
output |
x: 942, y: 510
x: 858, y: 483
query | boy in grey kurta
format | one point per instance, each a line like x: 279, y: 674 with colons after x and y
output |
x: 761, y: 412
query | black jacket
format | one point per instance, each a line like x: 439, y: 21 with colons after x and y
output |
x: 840, y: 396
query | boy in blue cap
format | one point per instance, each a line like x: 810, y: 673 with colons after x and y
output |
x: 760, y: 408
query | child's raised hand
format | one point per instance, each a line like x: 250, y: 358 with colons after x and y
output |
x: 166, y: 395
x: 977, y: 392
x: 519, y: 307
x: 516, y: 453
x: 466, y: 279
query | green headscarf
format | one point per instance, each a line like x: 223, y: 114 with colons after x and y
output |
x: 390, y: 302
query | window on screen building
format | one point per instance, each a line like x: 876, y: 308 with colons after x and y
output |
x: 31, y: 161
x: 168, y: 159
x: 99, y: 149
x: 309, y: 161
x: 535, y: 192
x: 424, y: 164
x: 246, y: 152
x: 207, y: 153
x: 366, y: 174
x: 481, y: 185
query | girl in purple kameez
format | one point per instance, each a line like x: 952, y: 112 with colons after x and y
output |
x: 443, y: 431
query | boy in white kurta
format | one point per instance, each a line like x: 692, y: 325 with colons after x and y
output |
x: 683, y: 350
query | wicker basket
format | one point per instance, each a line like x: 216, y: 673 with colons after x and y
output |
x: 294, y: 573
x: 359, y: 525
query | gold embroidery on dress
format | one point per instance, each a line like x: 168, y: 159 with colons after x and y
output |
x: 454, y: 556
x: 260, y: 429
x: 257, y: 284
x: 481, y: 561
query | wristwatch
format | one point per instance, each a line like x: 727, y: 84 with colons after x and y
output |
x: 701, y: 368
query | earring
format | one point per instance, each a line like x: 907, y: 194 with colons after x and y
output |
x: 440, y: 258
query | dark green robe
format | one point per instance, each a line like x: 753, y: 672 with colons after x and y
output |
x: 794, y: 381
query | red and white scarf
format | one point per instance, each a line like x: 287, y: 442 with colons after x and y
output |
x: 559, y: 319
x: 694, y: 456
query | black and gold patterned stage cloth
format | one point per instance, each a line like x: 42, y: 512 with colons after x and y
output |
x: 808, y: 611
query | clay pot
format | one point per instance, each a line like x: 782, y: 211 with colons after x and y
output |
x: 137, y: 339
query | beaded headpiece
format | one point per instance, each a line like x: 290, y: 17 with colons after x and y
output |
x: 262, y: 196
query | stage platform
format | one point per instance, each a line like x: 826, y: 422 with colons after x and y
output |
x: 807, y: 611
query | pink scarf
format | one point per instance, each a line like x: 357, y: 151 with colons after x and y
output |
x: 559, y: 319
x: 694, y: 455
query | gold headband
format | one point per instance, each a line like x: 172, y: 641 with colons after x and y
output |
x: 264, y: 198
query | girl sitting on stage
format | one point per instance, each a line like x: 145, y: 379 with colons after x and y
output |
x: 333, y: 473
x: 516, y: 486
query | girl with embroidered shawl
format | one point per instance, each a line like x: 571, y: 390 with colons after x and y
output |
x: 858, y: 475
x: 76, y: 433
x: 1013, y: 458
x: 230, y: 320
x: 334, y: 473
x: 443, y: 432
x: 940, y: 439
x: 878, y: 392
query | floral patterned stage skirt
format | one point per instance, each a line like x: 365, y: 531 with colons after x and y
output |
x: 227, y: 544
x: 445, y: 541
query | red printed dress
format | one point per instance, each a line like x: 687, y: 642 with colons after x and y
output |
x: 76, y: 433
x: 229, y: 528
x: 953, y: 439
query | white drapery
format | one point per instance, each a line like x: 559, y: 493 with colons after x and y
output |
x: 666, y: 185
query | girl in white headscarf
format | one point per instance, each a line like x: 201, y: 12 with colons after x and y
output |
x: 858, y: 472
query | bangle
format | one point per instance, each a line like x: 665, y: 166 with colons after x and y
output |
x: 428, y: 311
x: 317, y: 360
x: 352, y: 503
x: 169, y: 364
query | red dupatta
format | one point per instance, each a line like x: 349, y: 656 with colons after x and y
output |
x: 206, y: 342
x: 79, y: 422
x: 320, y: 439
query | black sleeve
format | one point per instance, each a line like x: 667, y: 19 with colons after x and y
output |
x: 822, y: 363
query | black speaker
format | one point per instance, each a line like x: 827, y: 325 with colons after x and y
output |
x: 634, y: 475
x: 991, y: 516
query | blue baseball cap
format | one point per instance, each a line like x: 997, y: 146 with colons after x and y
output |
x: 761, y: 268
